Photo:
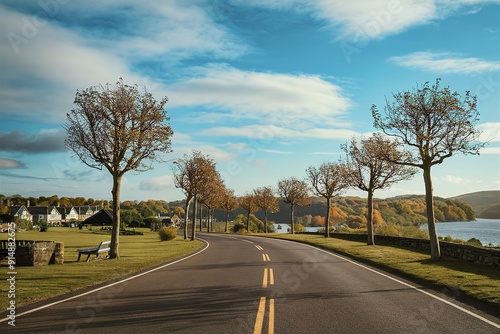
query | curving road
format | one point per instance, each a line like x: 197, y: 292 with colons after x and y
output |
x: 241, y: 284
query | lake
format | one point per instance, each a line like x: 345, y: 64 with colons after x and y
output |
x: 486, y: 230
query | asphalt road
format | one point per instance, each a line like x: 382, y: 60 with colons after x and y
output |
x: 241, y: 284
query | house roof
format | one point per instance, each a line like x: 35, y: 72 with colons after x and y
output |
x: 100, y: 217
x: 17, y: 209
x: 40, y: 210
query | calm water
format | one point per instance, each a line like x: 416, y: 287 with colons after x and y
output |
x: 486, y: 230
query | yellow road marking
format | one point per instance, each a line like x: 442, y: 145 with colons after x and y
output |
x: 271, y: 316
x: 259, y: 320
x: 271, y: 276
x: 264, y: 280
x: 261, y: 312
x: 258, y: 247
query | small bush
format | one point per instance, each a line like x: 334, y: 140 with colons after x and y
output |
x: 299, y: 228
x: 474, y: 242
x: 43, y: 226
x: 167, y: 233
x: 239, y: 228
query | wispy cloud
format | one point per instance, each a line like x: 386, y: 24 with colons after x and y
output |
x: 361, y: 20
x: 490, y: 132
x: 267, y: 132
x: 273, y: 151
x: 261, y: 96
x: 46, y: 141
x: 445, y: 63
x: 490, y: 150
x: 160, y: 183
x: 11, y: 164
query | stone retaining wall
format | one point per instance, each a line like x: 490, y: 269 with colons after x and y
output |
x: 483, y: 255
x: 38, y: 253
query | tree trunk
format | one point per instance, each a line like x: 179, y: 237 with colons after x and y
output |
x: 429, y: 204
x: 327, y: 222
x: 370, y: 236
x: 209, y: 227
x: 115, y: 232
x: 265, y: 221
x: 292, y: 214
x: 201, y: 216
x: 186, y: 220
x: 193, y: 232
x: 248, y: 221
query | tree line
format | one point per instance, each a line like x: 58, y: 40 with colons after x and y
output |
x: 122, y: 129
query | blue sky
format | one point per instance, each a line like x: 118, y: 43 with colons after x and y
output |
x: 265, y: 88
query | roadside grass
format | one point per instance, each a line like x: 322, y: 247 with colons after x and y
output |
x: 473, y: 280
x: 137, y: 252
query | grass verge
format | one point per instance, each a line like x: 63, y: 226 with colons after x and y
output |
x: 137, y: 252
x: 478, y: 281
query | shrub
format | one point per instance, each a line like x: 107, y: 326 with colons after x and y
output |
x: 167, y: 233
x: 43, y: 226
x: 239, y: 228
x: 474, y: 242
x: 23, y: 224
x: 299, y: 228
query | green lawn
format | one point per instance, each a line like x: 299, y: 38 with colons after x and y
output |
x: 137, y: 252
x: 475, y: 280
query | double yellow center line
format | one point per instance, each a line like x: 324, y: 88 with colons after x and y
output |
x: 267, y: 280
x: 259, y: 321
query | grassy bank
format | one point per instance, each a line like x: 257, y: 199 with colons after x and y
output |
x: 474, y: 280
x: 137, y: 252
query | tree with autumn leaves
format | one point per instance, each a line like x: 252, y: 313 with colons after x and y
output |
x: 266, y: 201
x: 121, y: 129
x: 327, y: 181
x: 369, y: 168
x: 433, y: 123
x: 200, y: 181
x: 293, y: 192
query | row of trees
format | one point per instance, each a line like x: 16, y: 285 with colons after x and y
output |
x: 53, y: 200
x: 121, y: 129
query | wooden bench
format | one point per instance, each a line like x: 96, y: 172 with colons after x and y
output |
x: 103, y: 247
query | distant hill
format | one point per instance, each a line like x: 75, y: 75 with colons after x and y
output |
x: 486, y: 204
x: 408, y: 210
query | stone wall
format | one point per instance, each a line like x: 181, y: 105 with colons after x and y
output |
x: 483, y: 255
x: 38, y: 253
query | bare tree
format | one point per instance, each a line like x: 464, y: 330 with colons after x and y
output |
x: 122, y: 129
x: 328, y: 180
x: 370, y: 168
x: 229, y: 203
x: 248, y: 204
x: 266, y: 201
x: 193, y: 175
x: 434, y: 123
x: 294, y: 192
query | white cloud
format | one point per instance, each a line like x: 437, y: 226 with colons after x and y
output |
x: 361, y: 20
x: 273, y: 151
x: 43, y: 65
x: 160, y: 183
x: 268, y: 97
x: 456, y: 180
x: 10, y: 163
x: 490, y: 132
x: 269, y: 132
x: 490, y: 150
x: 445, y: 63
